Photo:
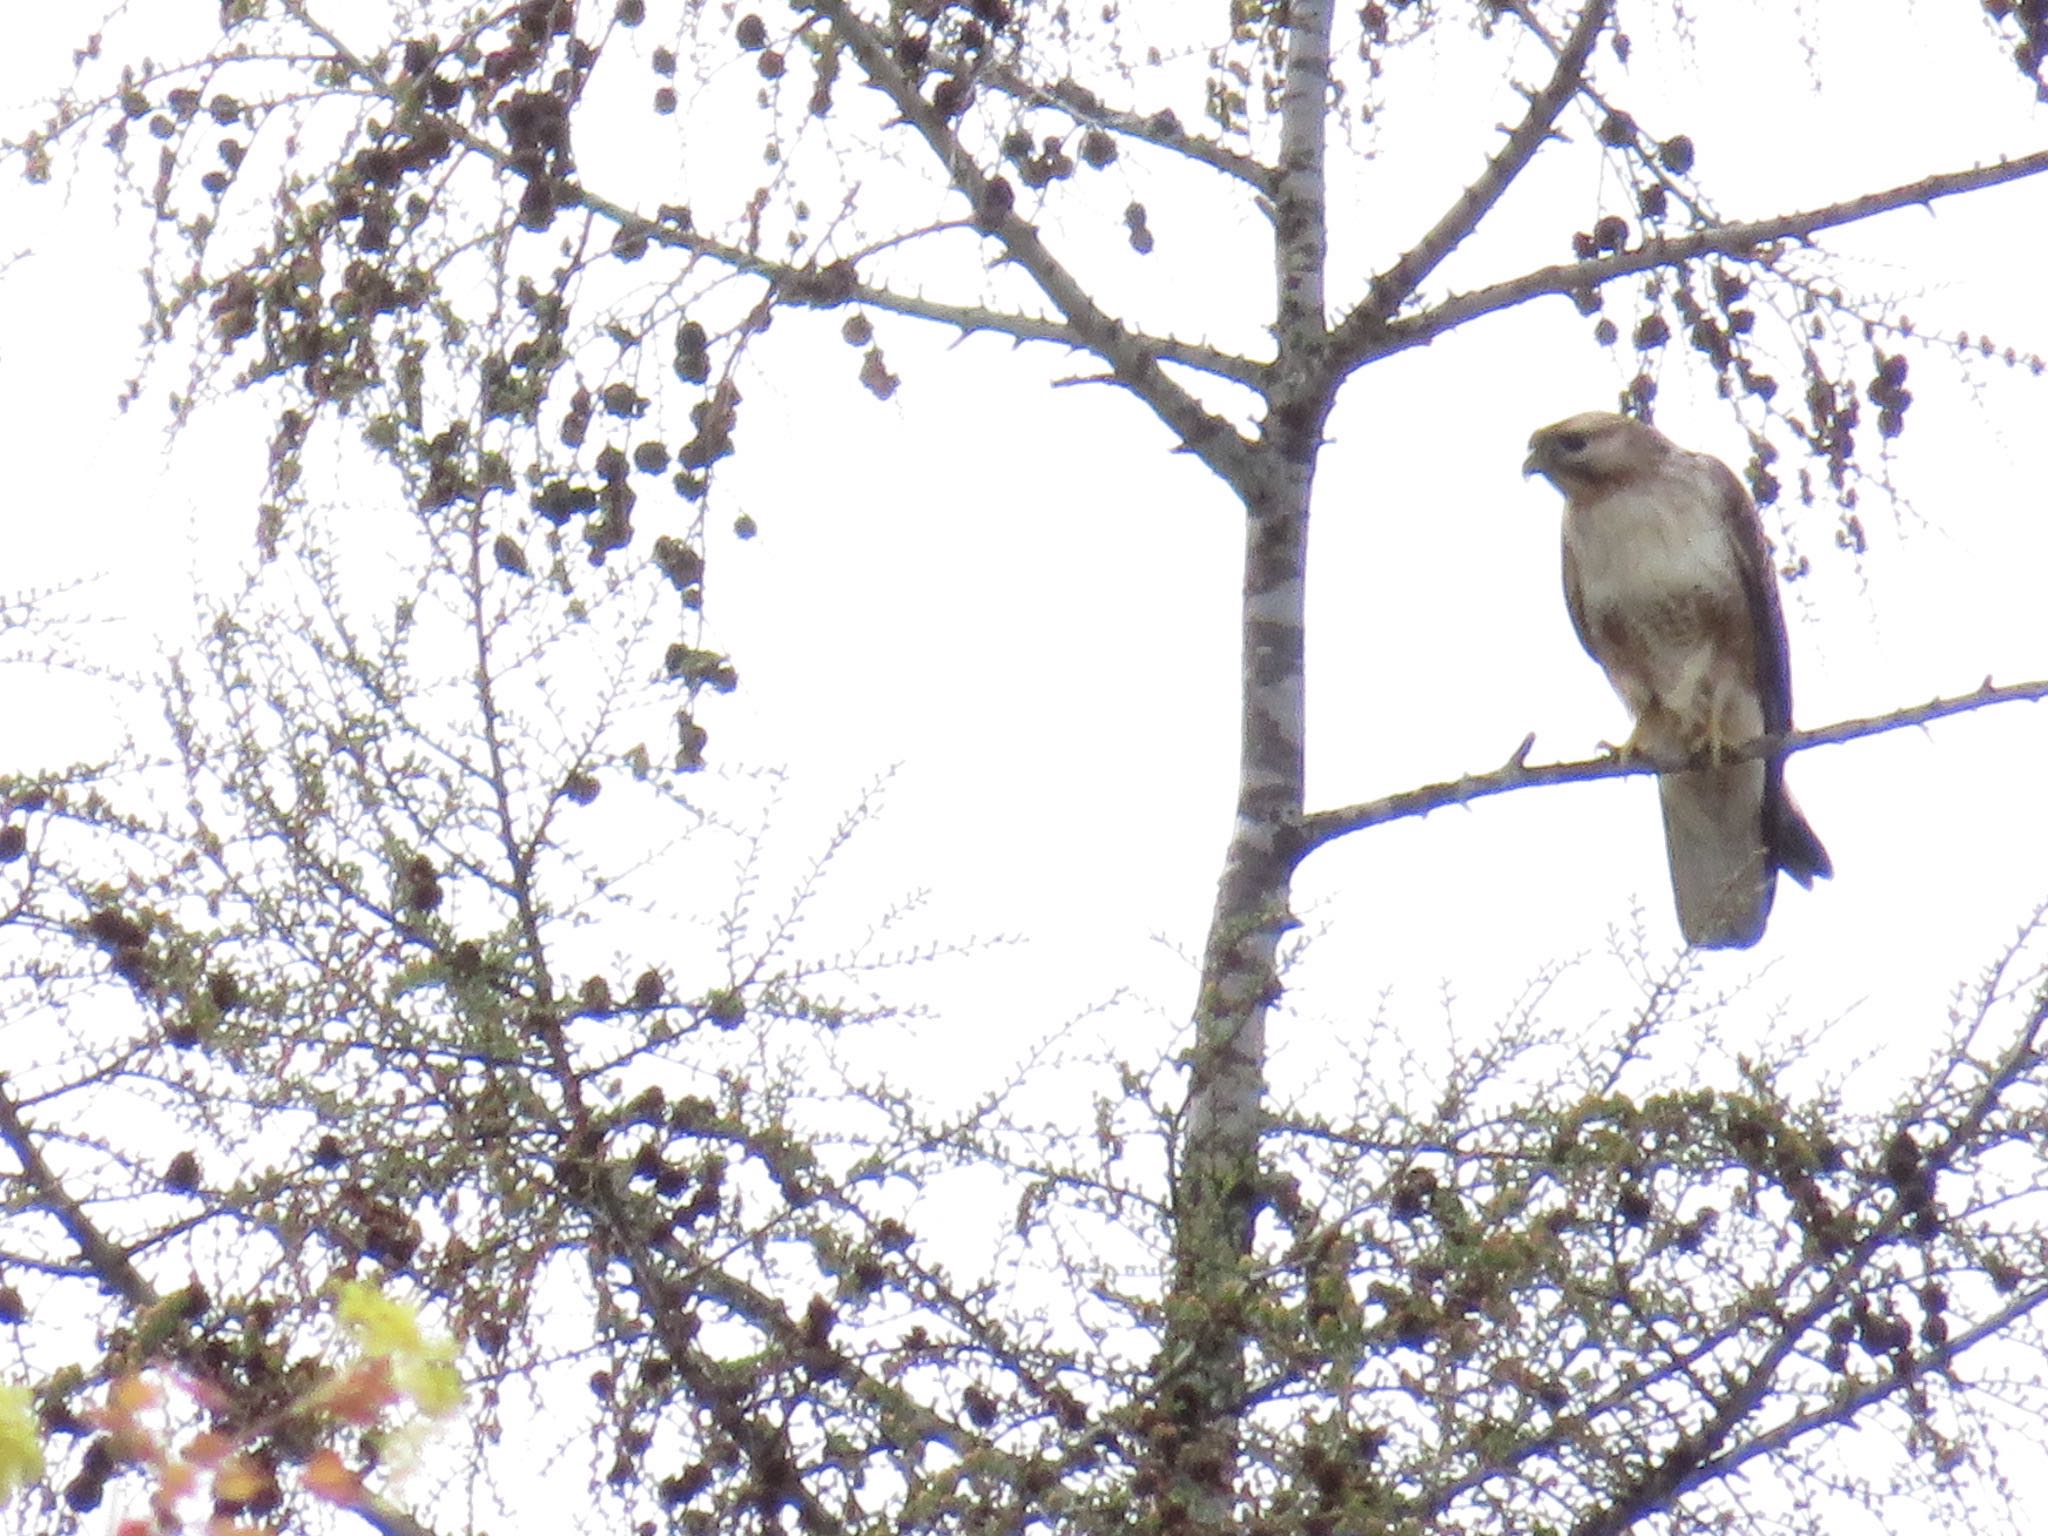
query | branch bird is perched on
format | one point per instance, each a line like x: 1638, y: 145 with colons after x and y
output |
x: 1670, y: 586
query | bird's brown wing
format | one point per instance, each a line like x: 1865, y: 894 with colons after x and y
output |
x: 1759, y: 590
x: 1791, y: 841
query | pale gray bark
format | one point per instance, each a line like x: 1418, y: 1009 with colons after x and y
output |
x: 1217, y: 1196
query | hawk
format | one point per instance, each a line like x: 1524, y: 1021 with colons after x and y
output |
x: 1671, y: 589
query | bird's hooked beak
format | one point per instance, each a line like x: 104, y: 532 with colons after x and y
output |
x: 1533, y: 464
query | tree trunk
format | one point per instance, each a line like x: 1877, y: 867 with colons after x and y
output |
x: 1217, y: 1194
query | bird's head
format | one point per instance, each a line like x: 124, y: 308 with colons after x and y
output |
x: 1591, y: 449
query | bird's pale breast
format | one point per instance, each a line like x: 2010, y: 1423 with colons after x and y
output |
x: 1660, y: 590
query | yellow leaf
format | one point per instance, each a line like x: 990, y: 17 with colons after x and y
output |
x: 422, y: 1368
x: 379, y: 1325
x: 433, y: 1385
x: 21, y: 1447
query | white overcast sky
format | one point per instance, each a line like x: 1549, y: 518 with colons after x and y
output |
x: 1016, y: 597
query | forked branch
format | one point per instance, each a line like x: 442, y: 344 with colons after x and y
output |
x: 1393, y: 287
x: 1132, y: 359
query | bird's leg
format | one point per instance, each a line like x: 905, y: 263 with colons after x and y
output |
x: 1652, y: 736
x: 1711, y: 741
x: 1716, y: 743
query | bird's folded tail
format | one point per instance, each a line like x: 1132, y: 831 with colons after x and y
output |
x: 1721, y: 873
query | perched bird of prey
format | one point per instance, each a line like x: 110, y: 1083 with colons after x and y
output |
x: 1670, y: 586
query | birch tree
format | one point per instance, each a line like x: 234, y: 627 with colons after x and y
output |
x: 437, y: 236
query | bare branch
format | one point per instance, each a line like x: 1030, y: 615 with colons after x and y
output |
x: 1376, y: 341
x: 386, y: 1518
x: 963, y: 317
x: 1326, y: 826
x: 107, y: 1259
x: 973, y: 317
x: 1160, y: 129
x: 1395, y: 286
x: 1134, y: 360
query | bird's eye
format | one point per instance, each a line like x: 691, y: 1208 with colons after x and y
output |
x: 1573, y: 442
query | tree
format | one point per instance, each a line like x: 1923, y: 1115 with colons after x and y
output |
x: 1568, y: 1298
